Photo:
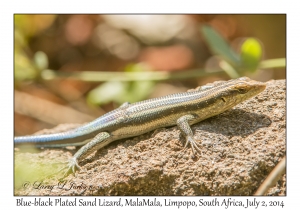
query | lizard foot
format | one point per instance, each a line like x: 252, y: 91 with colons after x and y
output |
x: 195, y: 146
x: 72, y: 166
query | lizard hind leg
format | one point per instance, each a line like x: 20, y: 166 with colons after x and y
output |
x: 98, y: 142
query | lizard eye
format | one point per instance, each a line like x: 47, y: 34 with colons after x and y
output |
x: 242, y: 90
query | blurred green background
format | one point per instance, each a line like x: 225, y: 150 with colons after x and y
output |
x: 74, y: 68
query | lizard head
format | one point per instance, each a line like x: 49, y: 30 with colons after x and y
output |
x: 241, y: 89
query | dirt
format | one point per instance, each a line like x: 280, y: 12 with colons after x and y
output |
x: 240, y: 147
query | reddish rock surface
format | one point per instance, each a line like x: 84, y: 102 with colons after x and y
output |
x: 239, y: 149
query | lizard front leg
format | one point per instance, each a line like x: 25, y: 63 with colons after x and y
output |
x: 183, y: 124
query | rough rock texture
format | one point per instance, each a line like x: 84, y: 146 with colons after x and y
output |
x: 239, y: 149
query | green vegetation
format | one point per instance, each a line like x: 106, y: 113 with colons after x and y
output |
x: 137, y: 80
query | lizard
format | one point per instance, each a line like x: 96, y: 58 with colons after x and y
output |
x: 129, y: 120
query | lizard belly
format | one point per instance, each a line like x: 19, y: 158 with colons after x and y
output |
x: 137, y: 126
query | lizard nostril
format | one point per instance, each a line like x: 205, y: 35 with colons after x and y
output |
x: 223, y: 99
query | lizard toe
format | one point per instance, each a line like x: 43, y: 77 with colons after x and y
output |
x: 195, y: 146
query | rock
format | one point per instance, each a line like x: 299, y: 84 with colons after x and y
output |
x: 240, y: 147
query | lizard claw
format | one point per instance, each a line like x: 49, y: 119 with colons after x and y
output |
x: 195, y: 146
x: 72, y: 166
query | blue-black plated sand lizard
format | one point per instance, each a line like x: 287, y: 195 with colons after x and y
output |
x: 181, y: 109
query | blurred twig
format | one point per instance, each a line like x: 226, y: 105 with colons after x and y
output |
x: 47, y: 111
x: 229, y: 69
x: 272, y: 63
x: 91, y: 76
x: 272, y: 178
x: 104, y: 76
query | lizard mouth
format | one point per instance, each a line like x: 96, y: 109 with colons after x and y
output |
x: 260, y: 86
x: 256, y: 88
